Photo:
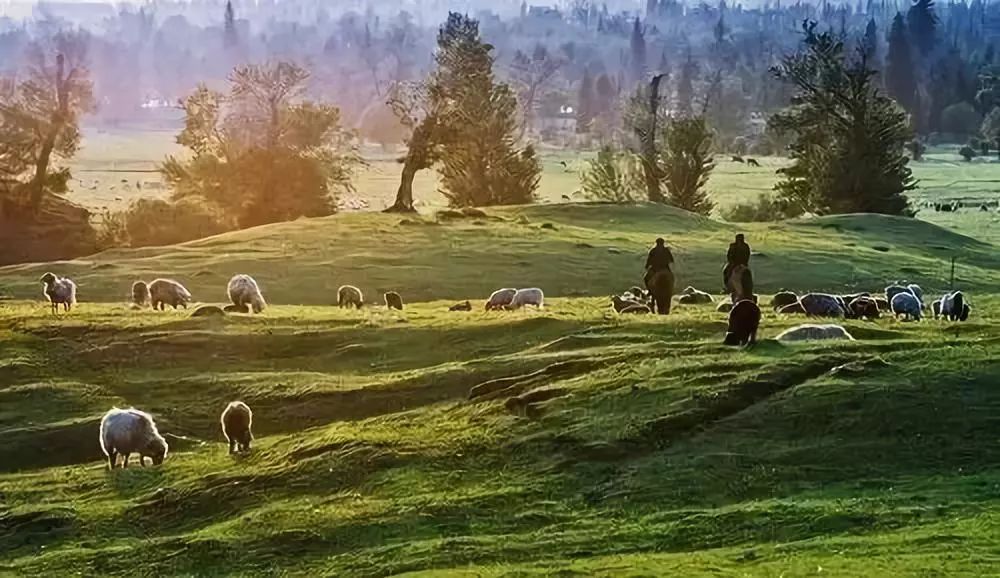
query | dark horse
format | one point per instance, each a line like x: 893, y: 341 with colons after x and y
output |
x: 661, y: 289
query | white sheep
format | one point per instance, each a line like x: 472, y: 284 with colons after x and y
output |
x: 124, y: 431
x: 500, y: 299
x: 245, y: 294
x: 59, y: 291
x: 237, y: 420
x: 348, y: 296
x: 907, y: 305
x: 823, y: 305
x: 917, y: 292
x: 163, y: 292
x: 953, y: 306
x: 893, y: 290
x: 533, y: 296
x: 811, y: 332
x: 692, y: 296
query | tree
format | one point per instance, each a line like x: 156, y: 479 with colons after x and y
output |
x: 870, y: 43
x: 613, y: 176
x: 961, y: 119
x: 991, y: 127
x: 586, y: 105
x: 532, y: 74
x: 638, y: 52
x: 900, y: 81
x: 481, y: 161
x: 422, y: 115
x: 686, y: 164
x: 685, y: 85
x: 642, y: 120
x: 849, y: 138
x: 231, y: 37
x: 39, y: 121
x: 262, y: 153
x: 968, y: 153
x: 923, y: 22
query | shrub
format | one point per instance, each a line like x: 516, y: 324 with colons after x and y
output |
x: 152, y: 222
x: 614, y: 176
x: 112, y: 230
x: 960, y: 119
x: 764, y: 208
x: 968, y: 153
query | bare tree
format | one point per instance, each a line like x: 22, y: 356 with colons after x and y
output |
x: 532, y: 75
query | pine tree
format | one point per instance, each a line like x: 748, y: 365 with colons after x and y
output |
x: 900, y: 81
x: 586, y: 105
x: 231, y: 38
x: 638, y: 60
x: 923, y: 22
x: 686, y: 163
x: 685, y: 85
x: 870, y: 44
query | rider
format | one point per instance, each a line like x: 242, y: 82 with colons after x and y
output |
x: 738, y: 254
x: 660, y: 258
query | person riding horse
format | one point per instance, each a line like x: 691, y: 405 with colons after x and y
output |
x: 659, y: 259
x: 738, y: 254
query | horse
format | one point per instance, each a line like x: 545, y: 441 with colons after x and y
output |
x: 661, y: 289
x: 740, y: 285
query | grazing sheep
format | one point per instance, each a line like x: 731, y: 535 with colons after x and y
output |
x: 907, y: 305
x: 463, y: 306
x: 500, y: 299
x: 952, y: 306
x: 692, y: 296
x: 966, y: 311
x: 882, y: 302
x: 59, y: 291
x: 822, y: 305
x: 893, y: 290
x: 753, y: 163
x: 621, y: 303
x: 163, y: 292
x: 533, y: 296
x: 636, y: 308
x: 917, y: 292
x: 863, y: 308
x: 140, y: 293
x: 348, y: 296
x: 724, y: 306
x: 783, y: 299
x: 124, y: 431
x: 393, y: 300
x: 237, y: 420
x: 209, y: 311
x: 792, y: 309
x: 811, y: 332
x: 744, y: 320
x: 245, y: 294
x: 639, y: 292
x: 852, y: 296
x: 936, y: 308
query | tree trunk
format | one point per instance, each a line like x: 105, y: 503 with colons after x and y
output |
x: 404, y: 194
x: 57, y: 121
x: 653, y: 191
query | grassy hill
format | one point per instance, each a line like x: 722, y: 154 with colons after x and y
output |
x: 593, y: 445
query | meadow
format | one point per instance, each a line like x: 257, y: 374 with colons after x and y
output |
x: 568, y: 441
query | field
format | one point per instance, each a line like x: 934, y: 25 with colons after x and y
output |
x: 116, y: 167
x: 567, y: 441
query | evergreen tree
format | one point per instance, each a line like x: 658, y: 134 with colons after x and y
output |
x: 231, y: 39
x: 586, y: 105
x: 870, y: 44
x: 900, y: 81
x: 923, y: 22
x: 685, y: 85
x: 638, y: 53
x: 686, y: 163
x: 849, y: 139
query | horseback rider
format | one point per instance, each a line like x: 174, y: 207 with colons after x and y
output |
x: 738, y: 254
x: 659, y: 259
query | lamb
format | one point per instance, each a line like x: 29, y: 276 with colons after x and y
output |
x: 907, y: 305
x: 59, y: 291
x: 953, y: 306
x: 237, y: 420
x: 811, y: 332
x: 692, y: 296
x: 245, y: 294
x: 533, y: 296
x: 822, y: 305
x: 393, y: 300
x: 163, y: 292
x: 863, y: 308
x: 124, y: 431
x: 348, y: 296
x: 500, y: 299
x: 744, y: 321
x: 783, y: 299
x: 140, y: 293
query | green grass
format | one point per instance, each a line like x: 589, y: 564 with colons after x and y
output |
x: 652, y: 451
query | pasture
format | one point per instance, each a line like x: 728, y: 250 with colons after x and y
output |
x: 567, y: 441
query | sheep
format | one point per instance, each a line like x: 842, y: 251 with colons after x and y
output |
x: 863, y: 308
x: 209, y: 311
x: 140, y: 293
x: 620, y: 303
x: 822, y: 305
x: 636, y: 308
x: 852, y: 296
x: 59, y: 291
x: 124, y: 431
x: 245, y: 294
x: 724, y: 306
x: 952, y: 306
x: 236, y: 421
x: 639, y: 292
x: 907, y: 305
x: 810, y: 332
x: 966, y: 311
x: 348, y: 296
x: 393, y: 300
x: 533, y: 296
x: 500, y: 299
x: 163, y: 292
x: 463, y: 306
x: 917, y: 292
x: 744, y: 320
x: 692, y: 296
x: 782, y: 299
x: 792, y: 309
x: 882, y: 302
x: 936, y: 308
x: 893, y: 290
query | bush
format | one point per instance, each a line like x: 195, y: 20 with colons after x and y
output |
x: 152, y: 222
x: 765, y: 208
x: 614, y: 176
x: 968, y: 153
x: 960, y: 119
x: 917, y: 149
x: 112, y: 230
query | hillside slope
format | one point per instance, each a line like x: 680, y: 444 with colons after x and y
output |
x: 568, y: 441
